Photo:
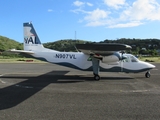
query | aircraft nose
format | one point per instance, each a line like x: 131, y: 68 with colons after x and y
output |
x: 151, y: 65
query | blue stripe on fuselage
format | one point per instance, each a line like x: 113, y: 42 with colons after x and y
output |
x: 113, y: 69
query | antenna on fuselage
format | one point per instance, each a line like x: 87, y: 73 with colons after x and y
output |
x: 76, y: 40
x: 75, y: 35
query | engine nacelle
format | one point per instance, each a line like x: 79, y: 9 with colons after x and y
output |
x: 110, y: 59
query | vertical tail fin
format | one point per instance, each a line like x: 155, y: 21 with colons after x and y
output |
x: 31, y: 39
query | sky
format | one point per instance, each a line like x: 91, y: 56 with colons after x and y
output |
x: 92, y: 20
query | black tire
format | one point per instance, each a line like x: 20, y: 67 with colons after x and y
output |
x: 148, y: 75
x: 97, y: 77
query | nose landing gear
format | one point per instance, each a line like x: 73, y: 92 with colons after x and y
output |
x: 148, y: 74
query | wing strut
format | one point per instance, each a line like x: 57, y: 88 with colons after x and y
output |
x: 95, y: 65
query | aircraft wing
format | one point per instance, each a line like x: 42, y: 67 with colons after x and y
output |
x: 20, y: 51
x: 103, y: 49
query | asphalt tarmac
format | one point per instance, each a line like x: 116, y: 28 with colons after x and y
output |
x: 43, y: 91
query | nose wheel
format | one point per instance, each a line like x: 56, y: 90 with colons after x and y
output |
x: 148, y: 74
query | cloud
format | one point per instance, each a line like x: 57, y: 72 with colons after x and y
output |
x: 96, y: 15
x: 78, y: 3
x: 120, y: 13
x: 95, y: 23
x: 89, y: 4
x: 80, y: 6
x: 50, y: 10
x: 114, y: 3
x: 123, y: 25
x: 142, y: 10
x: 79, y: 10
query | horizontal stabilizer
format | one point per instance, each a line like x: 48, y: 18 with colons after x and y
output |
x: 20, y: 51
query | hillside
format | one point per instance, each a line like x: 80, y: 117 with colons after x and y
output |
x: 60, y: 45
x: 6, y: 44
x: 139, y: 46
x: 64, y: 45
x: 137, y: 43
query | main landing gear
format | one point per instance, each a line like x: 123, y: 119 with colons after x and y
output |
x: 95, y: 64
x: 148, y: 74
x: 97, y: 77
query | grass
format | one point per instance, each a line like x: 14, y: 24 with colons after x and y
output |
x: 150, y: 59
x: 20, y: 60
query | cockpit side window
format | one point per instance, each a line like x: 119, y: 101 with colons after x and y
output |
x: 126, y: 60
x: 133, y: 59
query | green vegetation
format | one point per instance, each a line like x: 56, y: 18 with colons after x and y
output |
x: 150, y: 59
x: 20, y: 60
x: 64, y: 45
x: 142, y: 47
x: 139, y: 46
x: 6, y: 44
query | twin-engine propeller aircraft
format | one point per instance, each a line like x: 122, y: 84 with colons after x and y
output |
x: 93, y: 57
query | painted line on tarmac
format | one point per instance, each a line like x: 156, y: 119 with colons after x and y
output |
x: 2, y: 80
x: 154, y: 69
x: 27, y: 87
x: 134, y: 91
x: 1, y: 75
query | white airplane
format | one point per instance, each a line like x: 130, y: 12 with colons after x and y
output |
x: 93, y: 57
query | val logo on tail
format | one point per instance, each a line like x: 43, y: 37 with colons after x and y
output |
x: 30, y: 36
x: 93, y: 57
x: 30, y: 40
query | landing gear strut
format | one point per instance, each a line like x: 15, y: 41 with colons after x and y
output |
x: 95, y: 64
x: 148, y: 74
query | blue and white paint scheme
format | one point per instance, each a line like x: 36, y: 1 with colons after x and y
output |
x: 86, y: 61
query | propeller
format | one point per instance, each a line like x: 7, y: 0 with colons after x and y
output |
x: 122, y: 57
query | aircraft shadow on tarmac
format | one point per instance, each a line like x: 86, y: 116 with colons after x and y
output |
x: 15, y: 94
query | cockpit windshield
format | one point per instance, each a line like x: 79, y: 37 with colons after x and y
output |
x: 129, y: 58
x: 133, y: 59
